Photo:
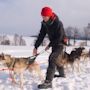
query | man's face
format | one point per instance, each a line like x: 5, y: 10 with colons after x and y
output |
x: 45, y: 18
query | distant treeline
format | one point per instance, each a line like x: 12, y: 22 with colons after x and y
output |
x: 77, y: 38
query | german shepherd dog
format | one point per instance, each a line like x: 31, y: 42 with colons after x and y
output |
x: 66, y: 59
x: 19, y: 65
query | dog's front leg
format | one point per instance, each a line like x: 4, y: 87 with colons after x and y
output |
x: 21, y: 81
x: 79, y: 67
x: 73, y: 68
x: 67, y: 67
x: 11, y: 74
x: 40, y: 74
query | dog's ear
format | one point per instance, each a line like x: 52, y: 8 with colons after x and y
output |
x: 2, y: 54
x: 83, y: 48
x: 7, y: 56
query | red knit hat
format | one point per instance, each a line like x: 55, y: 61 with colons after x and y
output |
x: 46, y: 11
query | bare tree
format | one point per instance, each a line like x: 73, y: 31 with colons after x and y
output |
x: 69, y: 33
x: 0, y: 39
x: 76, y: 34
x: 22, y: 41
x: 5, y: 42
x: 87, y: 32
x: 16, y: 39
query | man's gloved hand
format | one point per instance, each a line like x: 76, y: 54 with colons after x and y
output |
x: 34, y: 51
x: 65, y: 39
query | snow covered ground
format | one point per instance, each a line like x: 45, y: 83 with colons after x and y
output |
x: 73, y: 81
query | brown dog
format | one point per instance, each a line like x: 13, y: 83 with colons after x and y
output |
x: 19, y: 65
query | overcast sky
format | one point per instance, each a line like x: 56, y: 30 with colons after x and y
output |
x: 23, y: 16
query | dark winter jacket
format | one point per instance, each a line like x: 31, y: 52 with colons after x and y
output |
x: 55, y: 31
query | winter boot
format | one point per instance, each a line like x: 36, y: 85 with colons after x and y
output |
x: 59, y: 76
x: 45, y: 85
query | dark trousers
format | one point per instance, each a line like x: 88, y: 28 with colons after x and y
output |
x: 56, y: 51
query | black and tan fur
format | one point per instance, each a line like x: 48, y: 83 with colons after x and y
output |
x: 66, y: 59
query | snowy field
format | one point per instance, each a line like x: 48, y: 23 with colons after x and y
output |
x: 73, y: 81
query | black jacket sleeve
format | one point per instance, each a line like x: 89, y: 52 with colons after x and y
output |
x: 40, y: 37
x: 61, y: 32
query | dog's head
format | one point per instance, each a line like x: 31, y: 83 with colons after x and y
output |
x: 76, y: 53
x: 5, y: 57
x: 79, y: 51
x: 1, y: 56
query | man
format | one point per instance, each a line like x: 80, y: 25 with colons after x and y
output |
x: 53, y: 27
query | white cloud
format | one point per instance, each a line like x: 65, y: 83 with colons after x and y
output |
x: 24, y: 15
